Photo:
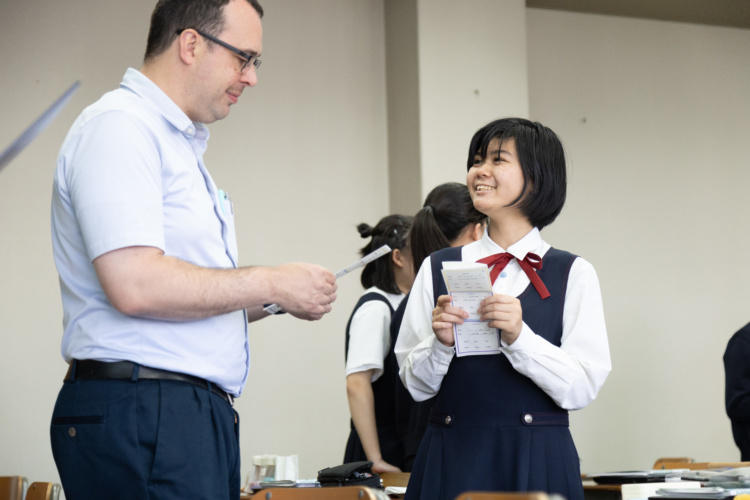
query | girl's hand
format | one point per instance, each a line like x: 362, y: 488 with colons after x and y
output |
x: 379, y: 466
x: 503, y: 312
x: 443, y: 317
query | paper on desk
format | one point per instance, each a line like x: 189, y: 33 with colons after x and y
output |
x: 468, y: 283
x: 385, y: 249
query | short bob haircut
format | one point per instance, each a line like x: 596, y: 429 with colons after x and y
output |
x: 392, y: 230
x: 171, y: 16
x: 542, y: 160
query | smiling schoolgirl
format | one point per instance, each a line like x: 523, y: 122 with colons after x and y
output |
x: 500, y: 422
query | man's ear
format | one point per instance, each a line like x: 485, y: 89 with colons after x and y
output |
x: 187, y: 43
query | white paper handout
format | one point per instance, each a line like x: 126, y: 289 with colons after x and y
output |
x: 468, y: 283
x: 376, y: 254
x: 35, y: 128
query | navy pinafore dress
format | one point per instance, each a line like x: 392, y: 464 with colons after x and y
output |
x: 491, y: 428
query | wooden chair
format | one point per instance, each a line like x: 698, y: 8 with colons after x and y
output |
x: 701, y: 465
x: 486, y: 495
x: 395, y: 479
x: 43, y: 491
x: 670, y: 460
x: 327, y: 493
x: 13, y: 487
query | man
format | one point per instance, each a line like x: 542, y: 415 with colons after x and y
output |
x: 155, y: 307
x: 737, y: 388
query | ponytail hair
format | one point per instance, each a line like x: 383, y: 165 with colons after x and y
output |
x: 447, y: 211
x: 393, y: 231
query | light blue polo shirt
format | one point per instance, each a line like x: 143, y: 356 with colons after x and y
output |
x: 131, y: 173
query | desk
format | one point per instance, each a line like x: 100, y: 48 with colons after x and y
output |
x: 259, y: 496
x: 593, y: 491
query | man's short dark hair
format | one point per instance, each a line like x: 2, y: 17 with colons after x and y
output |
x: 171, y: 16
x: 542, y: 159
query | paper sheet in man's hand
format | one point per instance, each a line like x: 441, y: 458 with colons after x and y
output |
x: 468, y: 284
x: 385, y: 249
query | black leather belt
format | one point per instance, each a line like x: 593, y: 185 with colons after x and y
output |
x: 89, y: 369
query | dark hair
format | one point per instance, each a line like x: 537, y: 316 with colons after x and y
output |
x: 171, y: 16
x: 392, y: 230
x: 542, y: 159
x: 447, y: 211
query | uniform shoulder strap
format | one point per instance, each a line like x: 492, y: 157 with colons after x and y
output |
x: 437, y: 259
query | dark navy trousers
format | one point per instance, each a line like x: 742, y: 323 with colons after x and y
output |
x: 148, y: 439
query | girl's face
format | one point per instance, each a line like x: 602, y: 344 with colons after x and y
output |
x: 496, y: 181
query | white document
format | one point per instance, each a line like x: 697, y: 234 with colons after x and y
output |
x: 468, y: 284
x: 35, y: 128
x: 376, y: 254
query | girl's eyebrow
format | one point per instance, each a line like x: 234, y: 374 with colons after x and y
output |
x: 498, y: 152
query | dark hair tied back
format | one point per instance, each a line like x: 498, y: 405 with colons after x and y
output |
x: 365, y: 230
x: 447, y: 211
x: 393, y: 231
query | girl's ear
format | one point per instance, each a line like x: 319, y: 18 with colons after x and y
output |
x: 397, y: 258
x: 477, y: 231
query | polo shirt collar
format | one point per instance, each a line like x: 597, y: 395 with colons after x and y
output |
x: 141, y: 85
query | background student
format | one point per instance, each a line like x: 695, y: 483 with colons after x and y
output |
x: 447, y: 219
x: 500, y: 422
x: 737, y: 388
x: 371, y: 374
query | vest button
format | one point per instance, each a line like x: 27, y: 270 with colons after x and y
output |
x: 72, y: 432
x: 528, y: 418
x: 448, y: 420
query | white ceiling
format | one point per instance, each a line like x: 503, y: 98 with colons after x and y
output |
x: 732, y: 13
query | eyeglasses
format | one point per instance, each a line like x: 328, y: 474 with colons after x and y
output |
x: 249, y: 58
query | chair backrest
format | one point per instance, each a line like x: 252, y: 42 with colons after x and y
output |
x: 701, y: 465
x: 327, y: 493
x: 671, y: 460
x: 681, y: 465
x: 721, y: 465
x: 13, y: 487
x: 486, y: 495
x: 43, y: 491
x: 395, y: 479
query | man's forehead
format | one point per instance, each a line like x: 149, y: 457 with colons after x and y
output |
x: 243, y: 25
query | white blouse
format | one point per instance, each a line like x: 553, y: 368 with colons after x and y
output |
x: 571, y: 374
x: 370, y: 334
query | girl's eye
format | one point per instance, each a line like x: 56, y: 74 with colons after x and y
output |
x: 477, y: 160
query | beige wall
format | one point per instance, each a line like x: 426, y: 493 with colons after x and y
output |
x: 658, y: 177
x: 655, y: 117
x: 470, y: 72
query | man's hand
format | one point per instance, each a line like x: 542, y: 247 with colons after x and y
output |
x: 306, y: 291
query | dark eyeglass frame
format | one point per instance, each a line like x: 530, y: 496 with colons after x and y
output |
x: 249, y: 58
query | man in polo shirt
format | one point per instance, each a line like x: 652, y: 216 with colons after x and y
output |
x: 155, y: 306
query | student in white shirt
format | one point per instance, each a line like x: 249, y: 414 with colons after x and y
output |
x: 371, y: 373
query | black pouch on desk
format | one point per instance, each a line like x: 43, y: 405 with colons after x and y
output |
x: 351, y: 474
